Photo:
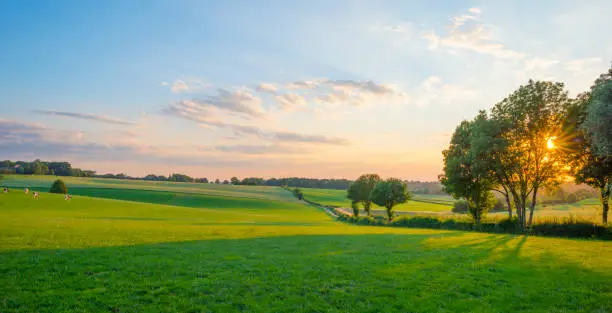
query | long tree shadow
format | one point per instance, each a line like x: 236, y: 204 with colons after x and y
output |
x: 453, y: 272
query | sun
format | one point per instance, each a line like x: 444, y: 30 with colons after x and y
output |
x: 550, y: 144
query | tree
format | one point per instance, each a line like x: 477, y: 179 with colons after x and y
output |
x: 235, y: 181
x: 297, y: 192
x: 355, y: 207
x: 217, y: 181
x: 531, y: 119
x: 598, y: 121
x: 59, y: 187
x: 465, y: 175
x: 361, y: 189
x: 226, y: 182
x: 389, y: 193
x: 583, y: 130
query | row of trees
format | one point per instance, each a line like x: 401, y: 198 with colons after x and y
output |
x: 370, y: 189
x: 535, y: 138
x: 38, y: 167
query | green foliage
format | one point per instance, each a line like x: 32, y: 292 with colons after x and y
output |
x: 235, y: 181
x: 361, y: 189
x: 59, y: 186
x: 460, y: 206
x: 176, y: 177
x: 466, y: 174
x: 297, y: 192
x: 599, y: 115
x: 389, y: 193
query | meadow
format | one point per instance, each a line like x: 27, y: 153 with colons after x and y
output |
x: 183, y: 251
x: 419, y: 203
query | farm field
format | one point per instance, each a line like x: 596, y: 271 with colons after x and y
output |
x: 258, y: 255
x: 42, y: 183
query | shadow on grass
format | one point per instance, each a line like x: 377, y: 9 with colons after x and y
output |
x: 452, y: 272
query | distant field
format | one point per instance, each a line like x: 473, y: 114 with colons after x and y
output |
x: 424, y: 203
x: 44, y: 182
x: 258, y: 255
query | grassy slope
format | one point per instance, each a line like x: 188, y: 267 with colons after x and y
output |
x: 96, y: 255
x: 44, y: 182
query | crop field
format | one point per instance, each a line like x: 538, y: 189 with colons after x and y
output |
x: 170, y: 251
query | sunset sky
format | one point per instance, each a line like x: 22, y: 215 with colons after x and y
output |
x: 275, y: 88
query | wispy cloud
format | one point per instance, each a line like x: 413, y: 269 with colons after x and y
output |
x: 467, y: 32
x: 86, y: 116
x: 260, y: 149
x: 267, y: 87
x: 186, y: 85
x: 434, y: 91
x: 291, y: 101
x: 239, y: 101
x: 579, y: 65
x: 206, y: 116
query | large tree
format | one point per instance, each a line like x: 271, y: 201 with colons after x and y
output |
x: 532, y: 118
x: 590, y: 165
x: 360, y: 190
x: 466, y: 175
x: 598, y: 121
x: 389, y: 193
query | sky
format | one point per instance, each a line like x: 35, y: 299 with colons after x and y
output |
x: 322, y: 89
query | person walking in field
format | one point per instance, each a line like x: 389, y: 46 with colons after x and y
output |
x: 35, y: 195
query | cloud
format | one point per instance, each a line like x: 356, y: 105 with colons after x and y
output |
x: 537, y: 63
x: 85, y: 116
x: 239, y: 101
x: 267, y: 87
x: 305, y: 84
x: 181, y: 86
x: 434, y: 91
x: 290, y: 101
x: 207, y: 116
x: 295, y: 137
x: 260, y: 149
x: 579, y: 65
x: 468, y: 33
x: 360, y: 92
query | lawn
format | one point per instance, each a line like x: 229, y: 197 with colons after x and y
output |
x: 102, y: 255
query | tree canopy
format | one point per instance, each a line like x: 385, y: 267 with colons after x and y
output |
x: 389, y: 193
x: 361, y: 189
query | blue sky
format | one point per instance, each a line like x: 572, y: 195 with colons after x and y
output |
x: 275, y: 88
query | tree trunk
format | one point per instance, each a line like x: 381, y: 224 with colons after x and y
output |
x: 366, y: 208
x: 509, y: 205
x: 532, y: 207
x: 390, y: 214
x: 605, y: 198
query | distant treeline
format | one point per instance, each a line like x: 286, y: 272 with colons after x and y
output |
x: 38, y: 167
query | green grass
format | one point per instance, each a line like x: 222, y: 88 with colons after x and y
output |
x: 101, y: 255
x: 420, y: 203
x: 44, y: 182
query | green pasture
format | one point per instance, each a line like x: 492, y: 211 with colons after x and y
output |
x: 44, y: 182
x: 102, y: 255
x: 420, y: 203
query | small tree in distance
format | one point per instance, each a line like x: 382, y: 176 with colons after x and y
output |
x: 389, y: 193
x: 361, y: 189
x: 59, y: 187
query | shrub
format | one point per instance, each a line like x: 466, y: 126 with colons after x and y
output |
x: 59, y: 187
x: 297, y: 192
x: 460, y: 206
x: 571, y: 198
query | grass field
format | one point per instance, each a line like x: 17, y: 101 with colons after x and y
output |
x: 420, y: 203
x: 207, y: 253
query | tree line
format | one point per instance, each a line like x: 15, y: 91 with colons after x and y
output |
x: 533, y: 140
